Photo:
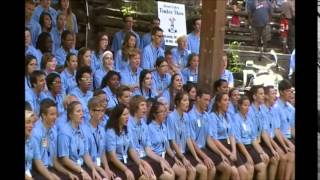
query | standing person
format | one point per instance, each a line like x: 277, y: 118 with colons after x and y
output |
x: 73, y: 145
x: 107, y: 60
x: 287, y: 120
x: 67, y: 43
x: 122, y: 55
x: 100, y: 46
x: 284, y: 33
x: 153, y: 50
x: 235, y: 19
x: 170, y: 92
x: 36, y: 93
x: 190, y: 72
x: 44, y: 6
x: 109, y: 84
x: 200, y: 135
x: 180, y: 54
x: 193, y: 38
x: 82, y: 91
x: 270, y: 129
x: 225, y: 73
x: 138, y: 130
x: 32, y: 24
x: 30, y: 66
x: 145, y: 85
x: 71, y: 19
x: 223, y: 135
x: 234, y: 96
x: 119, y: 148
x: 179, y: 138
x: 130, y: 74
x: 288, y: 9
x: 119, y: 36
x: 68, y: 75
x: 54, y: 92
x: 260, y: 15
x: 158, y: 134
x: 32, y: 153
x: 146, y: 39
x: 95, y: 135
x: 45, y: 135
x: 160, y: 77
x: 247, y: 141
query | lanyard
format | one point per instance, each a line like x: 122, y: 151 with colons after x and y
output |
x: 96, y: 141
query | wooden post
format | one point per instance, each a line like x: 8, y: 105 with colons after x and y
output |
x: 212, y: 41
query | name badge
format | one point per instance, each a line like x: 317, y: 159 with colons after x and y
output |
x: 44, y: 142
x: 79, y: 162
x: 163, y: 154
x: 28, y: 173
x: 191, y: 78
x: 244, y: 126
x: 98, y: 161
x: 125, y: 159
x: 199, y: 122
x: 228, y: 140
x: 141, y: 153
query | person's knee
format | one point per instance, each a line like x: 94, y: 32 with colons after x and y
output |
x: 260, y: 167
x: 167, y: 175
x: 201, y: 169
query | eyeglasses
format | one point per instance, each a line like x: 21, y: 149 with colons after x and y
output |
x: 86, y: 79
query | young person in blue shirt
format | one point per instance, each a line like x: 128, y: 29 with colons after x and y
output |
x: 62, y: 118
x: 200, y: 136
x: 100, y: 46
x: 67, y: 43
x: 160, y: 77
x: 219, y: 85
x: 180, y: 140
x: 32, y: 152
x: 63, y: 7
x: 57, y: 30
x: 54, y: 92
x: 138, y: 131
x: 107, y: 65
x: 119, y: 36
x: 109, y: 84
x: 194, y: 36
x: 119, y: 148
x: 158, y: 134
x: 84, y: 58
x: 286, y: 113
x: 225, y: 73
x: 82, y: 91
x: 48, y: 63
x: 37, y: 91
x: 44, y: 6
x: 124, y: 95
x: 95, y: 134
x: 99, y: 93
x: 44, y: 45
x: 30, y: 23
x: 234, y: 96
x: 180, y: 54
x: 153, y: 50
x: 146, y: 39
x: 122, y: 55
x: 190, y: 72
x: 68, y: 75
x: 271, y: 127
x: 29, y: 48
x: 73, y: 144
x: 223, y: 135
x: 145, y: 85
x: 191, y: 89
x: 174, y: 87
x: 45, y: 135
x: 246, y: 139
x: 45, y: 22
x: 130, y: 74
x: 30, y: 66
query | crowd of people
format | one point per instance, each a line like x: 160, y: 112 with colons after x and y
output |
x: 132, y: 109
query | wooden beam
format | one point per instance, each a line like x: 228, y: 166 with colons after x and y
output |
x: 212, y: 41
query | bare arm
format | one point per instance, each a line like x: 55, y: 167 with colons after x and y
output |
x: 58, y: 166
x: 213, y: 146
x: 70, y: 164
x: 42, y: 169
x: 192, y: 149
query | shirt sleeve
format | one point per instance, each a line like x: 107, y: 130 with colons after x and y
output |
x: 36, y: 150
x: 171, y: 128
x: 110, y: 141
x: 212, y: 126
x: 63, y: 145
